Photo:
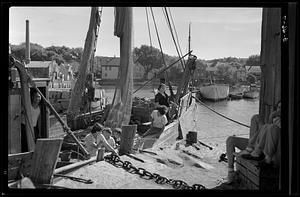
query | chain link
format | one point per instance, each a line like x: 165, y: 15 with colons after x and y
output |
x: 143, y: 173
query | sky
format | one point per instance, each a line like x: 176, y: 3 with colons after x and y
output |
x: 215, y: 32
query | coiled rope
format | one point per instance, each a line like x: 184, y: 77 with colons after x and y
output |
x: 219, y: 113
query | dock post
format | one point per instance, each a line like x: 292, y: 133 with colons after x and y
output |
x: 128, y: 133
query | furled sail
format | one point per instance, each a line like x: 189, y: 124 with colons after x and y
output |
x: 121, y: 105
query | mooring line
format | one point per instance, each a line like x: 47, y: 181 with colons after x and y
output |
x: 220, y: 114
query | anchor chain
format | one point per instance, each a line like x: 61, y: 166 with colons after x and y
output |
x: 176, y: 184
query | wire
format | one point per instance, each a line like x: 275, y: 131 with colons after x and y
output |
x: 148, y: 27
x: 162, y: 54
x: 170, y: 28
x: 220, y: 114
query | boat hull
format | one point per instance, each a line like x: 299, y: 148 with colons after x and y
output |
x: 251, y: 95
x: 215, y: 92
x: 235, y: 96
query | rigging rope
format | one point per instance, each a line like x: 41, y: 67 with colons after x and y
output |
x: 171, y: 31
x: 162, y: 54
x: 148, y: 28
x: 219, y: 113
x: 175, y: 33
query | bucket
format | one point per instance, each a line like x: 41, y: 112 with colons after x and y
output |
x: 191, y: 137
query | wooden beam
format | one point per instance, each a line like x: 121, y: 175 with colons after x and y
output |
x: 75, y: 102
x: 14, y: 122
x: 71, y: 167
x: 270, y: 91
x: 26, y: 102
x: 44, y: 160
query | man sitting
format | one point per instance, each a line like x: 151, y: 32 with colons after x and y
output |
x: 257, y: 141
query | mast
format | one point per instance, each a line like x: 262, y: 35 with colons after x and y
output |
x: 89, y: 46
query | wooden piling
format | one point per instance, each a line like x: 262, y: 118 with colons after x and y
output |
x: 128, y: 133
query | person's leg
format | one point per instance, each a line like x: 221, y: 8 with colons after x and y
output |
x: 273, y: 144
x: 231, y: 143
x: 254, y: 131
x: 261, y: 140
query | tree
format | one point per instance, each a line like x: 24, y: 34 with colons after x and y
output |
x: 149, y: 57
x: 58, y: 59
x: 253, y: 60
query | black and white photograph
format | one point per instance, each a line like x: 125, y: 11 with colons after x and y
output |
x: 151, y: 98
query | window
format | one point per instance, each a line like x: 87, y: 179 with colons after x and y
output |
x: 109, y: 68
x: 105, y: 74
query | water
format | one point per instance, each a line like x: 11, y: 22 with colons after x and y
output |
x: 212, y: 128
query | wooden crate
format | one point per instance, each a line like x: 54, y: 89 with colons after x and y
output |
x: 255, y: 177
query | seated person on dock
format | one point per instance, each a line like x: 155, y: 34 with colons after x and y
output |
x: 91, y: 139
x: 158, y: 122
x: 257, y: 131
x: 105, y: 140
x: 268, y: 147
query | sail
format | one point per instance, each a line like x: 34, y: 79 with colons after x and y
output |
x: 121, y: 105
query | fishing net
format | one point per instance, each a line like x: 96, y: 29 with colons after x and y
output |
x: 121, y: 105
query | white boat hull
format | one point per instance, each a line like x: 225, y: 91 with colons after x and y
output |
x: 215, y: 92
x: 252, y: 94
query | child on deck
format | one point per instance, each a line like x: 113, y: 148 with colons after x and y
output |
x: 158, y: 122
x: 117, y: 132
x: 97, y: 138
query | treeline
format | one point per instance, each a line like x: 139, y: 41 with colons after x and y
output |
x: 149, y: 57
x: 60, y: 54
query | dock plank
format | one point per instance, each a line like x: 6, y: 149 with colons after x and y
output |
x: 44, y: 160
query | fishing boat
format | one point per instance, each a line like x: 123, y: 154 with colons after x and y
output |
x: 236, y: 95
x: 253, y: 92
x: 214, y: 92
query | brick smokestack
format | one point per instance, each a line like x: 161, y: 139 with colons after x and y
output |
x: 27, y: 51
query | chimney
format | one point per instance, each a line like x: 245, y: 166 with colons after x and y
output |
x: 27, y: 51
